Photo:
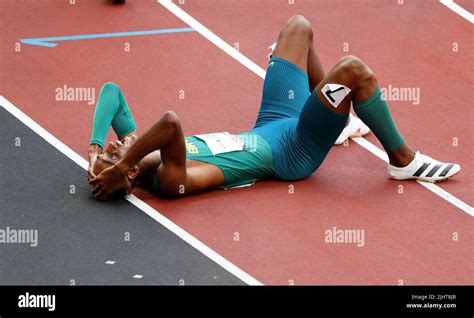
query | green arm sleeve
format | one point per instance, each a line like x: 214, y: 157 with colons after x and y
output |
x: 111, y: 109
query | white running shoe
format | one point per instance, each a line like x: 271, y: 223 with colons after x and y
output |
x: 272, y: 49
x: 424, y: 168
x: 356, y: 128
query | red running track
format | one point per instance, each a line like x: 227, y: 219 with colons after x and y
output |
x: 408, y: 237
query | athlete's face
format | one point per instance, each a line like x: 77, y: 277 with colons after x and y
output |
x: 113, y: 152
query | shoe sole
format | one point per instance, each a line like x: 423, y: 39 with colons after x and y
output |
x: 417, y: 179
x: 426, y: 180
x: 437, y: 181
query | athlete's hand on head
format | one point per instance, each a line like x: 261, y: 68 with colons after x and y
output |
x: 92, y: 152
x: 109, y: 181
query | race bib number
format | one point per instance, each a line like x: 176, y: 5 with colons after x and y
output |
x: 222, y: 142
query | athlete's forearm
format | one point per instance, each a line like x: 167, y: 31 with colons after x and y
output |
x: 160, y: 134
x: 111, y: 109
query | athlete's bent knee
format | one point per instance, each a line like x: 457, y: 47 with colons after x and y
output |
x: 298, y: 25
x: 353, y: 67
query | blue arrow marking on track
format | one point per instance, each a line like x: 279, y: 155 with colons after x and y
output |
x: 47, y: 41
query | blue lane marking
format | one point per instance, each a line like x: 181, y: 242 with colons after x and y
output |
x: 47, y: 41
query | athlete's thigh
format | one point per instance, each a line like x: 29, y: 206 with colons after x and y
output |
x: 293, y: 44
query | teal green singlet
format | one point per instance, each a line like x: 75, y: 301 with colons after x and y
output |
x: 239, y: 167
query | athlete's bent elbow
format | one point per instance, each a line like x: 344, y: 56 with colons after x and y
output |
x: 171, y: 120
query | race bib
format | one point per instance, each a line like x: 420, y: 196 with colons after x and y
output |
x: 335, y: 93
x: 222, y: 142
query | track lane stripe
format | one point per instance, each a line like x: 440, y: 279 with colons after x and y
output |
x: 458, y: 9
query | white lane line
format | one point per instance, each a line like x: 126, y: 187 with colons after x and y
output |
x: 212, y: 37
x: 200, y: 246
x: 157, y: 216
x: 458, y: 9
x: 448, y: 197
x: 56, y: 143
x: 428, y: 185
x: 138, y: 276
x: 110, y: 262
x: 364, y: 143
x: 208, y: 34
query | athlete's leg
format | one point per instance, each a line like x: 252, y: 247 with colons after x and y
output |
x: 294, y: 42
x: 286, y: 85
x: 354, y: 74
x: 315, y: 68
x: 362, y: 90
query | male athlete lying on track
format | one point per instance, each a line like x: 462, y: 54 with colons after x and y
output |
x: 293, y: 134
